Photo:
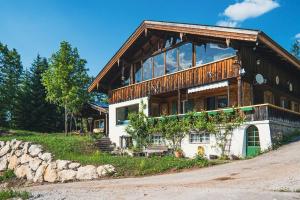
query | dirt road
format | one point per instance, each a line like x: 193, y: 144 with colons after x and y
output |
x: 274, y: 175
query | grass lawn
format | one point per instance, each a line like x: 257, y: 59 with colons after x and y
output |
x: 11, y: 194
x: 81, y: 149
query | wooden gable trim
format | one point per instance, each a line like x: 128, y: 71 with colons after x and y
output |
x: 278, y: 49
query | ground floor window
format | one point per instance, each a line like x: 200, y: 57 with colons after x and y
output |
x: 99, y: 123
x: 123, y: 112
x: 199, y: 138
x: 157, y: 140
x: 125, y: 142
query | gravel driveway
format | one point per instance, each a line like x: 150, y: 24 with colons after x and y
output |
x: 274, y: 175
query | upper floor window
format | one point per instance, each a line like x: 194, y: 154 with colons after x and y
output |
x: 171, y: 61
x: 185, y: 56
x: 147, y: 69
x: 284, y: 102
x: 211, y: 52
x: 138, y: 72
x: 159, y: 65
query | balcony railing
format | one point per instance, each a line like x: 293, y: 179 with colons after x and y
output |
x: 200, y: 75
x: 263, y: 112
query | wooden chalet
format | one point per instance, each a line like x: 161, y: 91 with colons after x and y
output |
x: 181, y: 67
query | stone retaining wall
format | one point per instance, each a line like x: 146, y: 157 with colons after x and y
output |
x: 29, y: 161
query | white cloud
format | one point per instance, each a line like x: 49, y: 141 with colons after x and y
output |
x: 297, y: 36
x: 227, y: 23
x: 240, y: 11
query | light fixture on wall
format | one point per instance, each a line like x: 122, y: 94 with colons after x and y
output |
x: 258, y: 61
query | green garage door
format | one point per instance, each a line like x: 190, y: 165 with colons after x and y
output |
x: 253, y: 145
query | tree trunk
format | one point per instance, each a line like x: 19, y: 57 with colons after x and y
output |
x: 66, y: 121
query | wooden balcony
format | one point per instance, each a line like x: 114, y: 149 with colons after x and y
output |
x: 264, y: 112
x: 195, y: 76
x: 271, y: 112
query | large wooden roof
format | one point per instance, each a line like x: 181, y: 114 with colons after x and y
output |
x: 246, y: 35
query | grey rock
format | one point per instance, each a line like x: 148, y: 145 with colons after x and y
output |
x: 3, y: 163
x: 74, y: 165
x: 35, y: 149
x: 35, y: 163
x: 4, y: 150
x: 87, y: 173
x: 62, y: 164
x: 67, y: 175
x: 47, y: 157
x: 25, y: 158
x: 105, y: 170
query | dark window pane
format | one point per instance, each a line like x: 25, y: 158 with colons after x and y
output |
x: 185, y: 56
x: 171, y: 61
x: 159, y: 67
x: 123, y: 112
x: 222, y: 102
x: 138, y: 72
x: 212, y: 52
x: 147, y: 69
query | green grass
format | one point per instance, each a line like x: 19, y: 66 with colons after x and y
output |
x: 7, y: 175
x: 81, y: 149
x: 9, y: 194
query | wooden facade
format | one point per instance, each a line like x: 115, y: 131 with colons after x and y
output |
x: 217, y: 71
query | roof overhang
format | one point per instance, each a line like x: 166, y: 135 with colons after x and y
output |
x: 201, y: 30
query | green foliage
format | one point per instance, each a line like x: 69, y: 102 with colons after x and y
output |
x: 82, y: 149
x: 66, y: 80
x: 296, y: 49
x: 173, y: 129
x: 7, y: 175
x: 10, y: 194
x: 139, y: 128
x: 223, y: 125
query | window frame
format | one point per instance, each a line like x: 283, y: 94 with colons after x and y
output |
x: 204, y: 135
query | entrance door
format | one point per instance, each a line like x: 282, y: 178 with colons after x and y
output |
x: 253, y: 145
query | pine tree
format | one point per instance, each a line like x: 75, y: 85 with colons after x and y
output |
x: 11, y: 71
x: 45, y: 116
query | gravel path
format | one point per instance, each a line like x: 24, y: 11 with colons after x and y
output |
x: 260, y: 178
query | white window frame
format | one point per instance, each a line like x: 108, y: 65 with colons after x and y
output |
x: 203, y: 138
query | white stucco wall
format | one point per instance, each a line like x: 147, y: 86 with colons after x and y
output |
x: 115, y: 131
x: 238, y: 143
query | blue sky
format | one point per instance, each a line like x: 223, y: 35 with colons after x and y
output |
x: 98, y: 28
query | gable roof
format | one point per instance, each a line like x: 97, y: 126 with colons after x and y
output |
x: 201, y: 30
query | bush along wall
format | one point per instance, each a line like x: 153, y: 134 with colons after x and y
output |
x: 29, y: 161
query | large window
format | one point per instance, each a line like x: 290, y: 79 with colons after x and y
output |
x: 138, y: 72
x: 211, y: 52
x: 147, y: 69
x: 199, y: 138
x: 159, y: 65
x: 123, y: 112
x: 185, y: 56
x: 171, y: 61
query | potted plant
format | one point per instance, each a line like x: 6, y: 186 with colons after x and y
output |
x: 178, y: 152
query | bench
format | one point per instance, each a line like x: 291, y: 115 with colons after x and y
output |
x: 155, y: 150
